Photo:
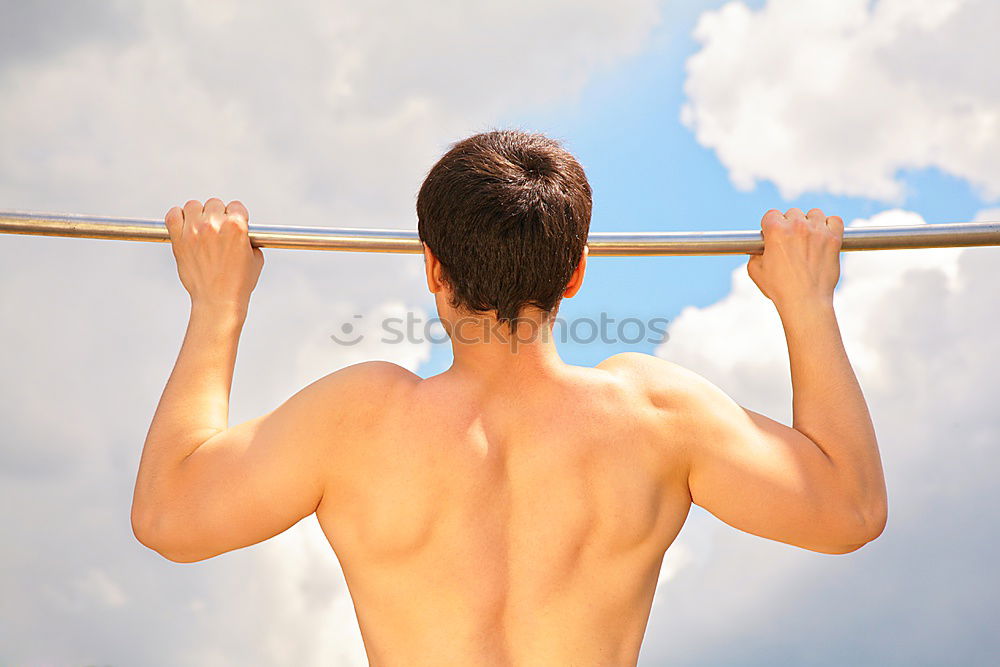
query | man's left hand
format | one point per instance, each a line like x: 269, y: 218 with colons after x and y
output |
x: 215, y: 261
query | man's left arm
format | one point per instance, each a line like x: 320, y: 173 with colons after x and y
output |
x: 203, y: 488
x: 247, y: 483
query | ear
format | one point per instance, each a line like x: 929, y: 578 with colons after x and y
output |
x: 576, y: 279
x: 434, y: 271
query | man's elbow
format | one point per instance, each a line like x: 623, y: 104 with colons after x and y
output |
x: 146, y: 530
x: 863, y: 526
x: 150, y: 533
x: 172, y: 554
x: 143, y: 526
x: 874, y: 516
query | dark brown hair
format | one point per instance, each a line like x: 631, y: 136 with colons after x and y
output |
x: 507, y: 214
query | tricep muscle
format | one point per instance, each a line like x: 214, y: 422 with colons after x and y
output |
x: 763, y: 477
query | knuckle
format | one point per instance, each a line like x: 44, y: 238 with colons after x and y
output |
x: 192, y: 203
x: 772, y: 220
x: 233, y: 223
x: 798, y: 224
x: 772, y: 216
x: 213, y: 205
x: 779, y: 229
x: 237, y: 217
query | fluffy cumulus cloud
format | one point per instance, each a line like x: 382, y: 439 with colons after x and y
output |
x: 312, y: 113
x: 920, y: 328
x: 838, y: 97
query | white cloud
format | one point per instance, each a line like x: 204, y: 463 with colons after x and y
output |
x: 312, y: 113
x: 816, y: 95
x: 326, y: 112
x: 101, y: 587
x: 987, y: 215
x: 920, y: 328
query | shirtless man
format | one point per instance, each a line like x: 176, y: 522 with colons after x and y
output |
x: 513, y: 510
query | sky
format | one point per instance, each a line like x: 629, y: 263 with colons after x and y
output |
x: 686, y: 115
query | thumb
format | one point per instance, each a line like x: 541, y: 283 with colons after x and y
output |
x: 755, y: 268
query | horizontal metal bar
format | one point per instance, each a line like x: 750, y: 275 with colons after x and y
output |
x: 955, y: 234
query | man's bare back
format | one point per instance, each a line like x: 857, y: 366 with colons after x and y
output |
x: 513, y: 510
x: 516, y: 521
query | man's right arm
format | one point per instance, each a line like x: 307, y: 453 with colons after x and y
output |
x: 818, y: 484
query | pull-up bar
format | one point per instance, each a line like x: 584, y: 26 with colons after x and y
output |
x: 621, y: 244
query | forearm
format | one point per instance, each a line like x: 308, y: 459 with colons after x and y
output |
x: 194, y: 405
x: 827, y: 402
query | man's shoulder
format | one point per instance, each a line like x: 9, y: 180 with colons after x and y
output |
x: 371, y: 375
x: 368, y: 384
x: 377, y: 371
x: 663, y: 381
x: 646, y: 369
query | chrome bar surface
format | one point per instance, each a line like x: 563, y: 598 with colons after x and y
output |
x: 607, y: 244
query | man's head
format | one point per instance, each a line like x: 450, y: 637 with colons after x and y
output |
x: 504, y: 218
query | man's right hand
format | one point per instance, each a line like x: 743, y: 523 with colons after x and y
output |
x: 801, y: 259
